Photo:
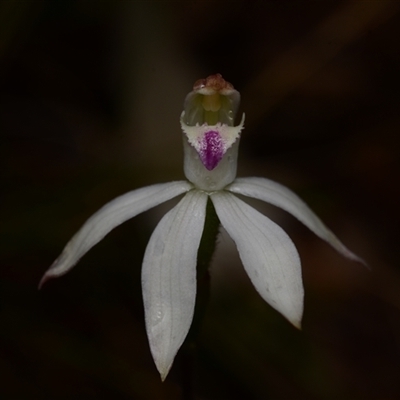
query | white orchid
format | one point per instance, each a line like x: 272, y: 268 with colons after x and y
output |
x: 269, y: 256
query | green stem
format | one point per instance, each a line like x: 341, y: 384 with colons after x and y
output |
x: 206, y: 250
x: 204, y: 256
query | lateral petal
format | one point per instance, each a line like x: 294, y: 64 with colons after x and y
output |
x: 108, y: 217
x: 268, y: 255
x: 280, y: 196
x: 169, y: 278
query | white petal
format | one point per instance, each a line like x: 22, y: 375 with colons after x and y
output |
x: 268, y: 255
x: 108, y: 217
x: 169, y: 278
x: 280, y: 196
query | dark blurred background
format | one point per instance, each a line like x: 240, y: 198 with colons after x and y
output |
x: 90, y: 99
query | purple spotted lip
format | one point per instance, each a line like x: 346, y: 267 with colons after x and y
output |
x: 211, y: 142
x: 211, y: 149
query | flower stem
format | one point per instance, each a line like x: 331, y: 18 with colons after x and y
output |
x: 206, y: 250
x: 204, y: 256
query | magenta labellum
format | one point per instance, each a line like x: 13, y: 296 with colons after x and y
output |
x: 211, y: 142
x: 212, y: 150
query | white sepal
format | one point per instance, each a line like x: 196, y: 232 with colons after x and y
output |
x: 108, y: 217
x: 169, y: 278
x: 280, y: 196
x: 267, y: 253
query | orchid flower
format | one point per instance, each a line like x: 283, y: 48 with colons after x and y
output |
x: 211, y: 142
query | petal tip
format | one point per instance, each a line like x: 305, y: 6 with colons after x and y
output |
x: 58, y: 268
x: 164, y: 371
x: 354, y: 257
x: 44, y: 279
x: 295, y: 319
x: 297, y: 324
x: 163, y: 376
x: 361, y: 261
